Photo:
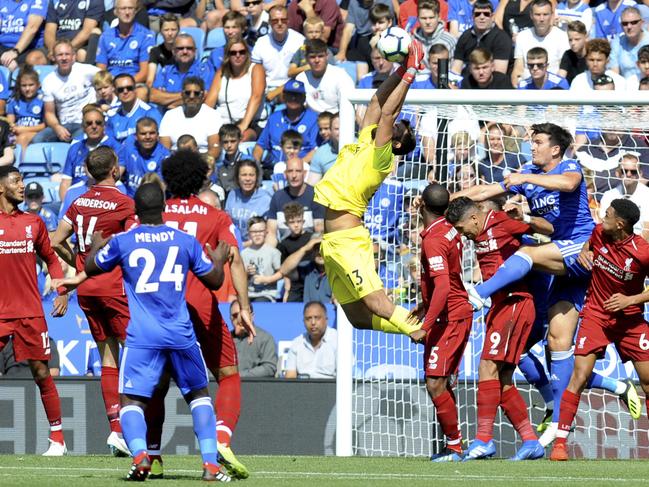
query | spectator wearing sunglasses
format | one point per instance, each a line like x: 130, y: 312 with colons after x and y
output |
x: 607, y: 18
x: 625, y: 47
x: 94, y: 128
x: 166, y: 90
x: 540, y: 78
x: 238, y: 89
x: 123, y: 119
x: 193, y: 117
x: 484, y: 33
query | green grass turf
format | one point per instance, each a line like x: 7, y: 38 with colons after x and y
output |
x: 89, y: 471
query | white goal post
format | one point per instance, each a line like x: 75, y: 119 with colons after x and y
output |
x: 382, y: 404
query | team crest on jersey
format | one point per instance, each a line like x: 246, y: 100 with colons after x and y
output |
x: 133, y: 44
x: 28, y: 231
x: 385, y: 202
x: 151, y: 165
x: 36, y: 109
x: 82, y: 5
x: 627, y: 264
x: 24, y: 7
x: 301, y: 128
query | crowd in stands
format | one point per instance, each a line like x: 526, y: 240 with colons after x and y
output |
x: 256, y: 85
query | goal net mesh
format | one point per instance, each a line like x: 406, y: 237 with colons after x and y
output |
x: 459, y: 146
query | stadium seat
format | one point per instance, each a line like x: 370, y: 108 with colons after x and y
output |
x: 57, y: 152
x: 246, y: 148
x: 215, y: 38
x: 350, y: 67
x: 5, y: 75
x: 267, y: 186
x: 43, y: 71
x: 36, y: 160
x: 18, y: 154
x: 199, y: 39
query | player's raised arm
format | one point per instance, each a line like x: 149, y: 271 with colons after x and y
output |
x: 481, y: 192
x: 388, y: 99
x: 537, y: 224
x: 566, y: 182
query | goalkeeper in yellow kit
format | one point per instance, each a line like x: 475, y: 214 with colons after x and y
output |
x: 345, y: 191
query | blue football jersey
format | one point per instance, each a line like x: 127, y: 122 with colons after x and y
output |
x: 155, y: 260
x: 136, y: 165
x: 76, y: 158
x: 385, y: 210
x: 120, y: 124
x: 567, y: 211
x: 124, y: 54
x: 5, y: 92
x: 28, y: 113
x: 14, y: 15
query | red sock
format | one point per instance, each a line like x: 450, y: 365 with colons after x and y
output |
x: 52, y: 406
x: 488, y: 402
x: 567, y: 413
x: 516, y: 410
x: 155, y: 417
x: 447, y: 416
x: 109, y: 391
x: 227, y: 406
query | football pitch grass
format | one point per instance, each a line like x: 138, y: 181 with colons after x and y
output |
x: 90, y: 471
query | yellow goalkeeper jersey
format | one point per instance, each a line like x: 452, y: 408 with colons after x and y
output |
x: 356, y: 175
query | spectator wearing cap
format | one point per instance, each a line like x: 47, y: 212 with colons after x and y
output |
x: 6, y: 148
x: 540, y: 78
x: 325, y: 85
x: 125, y: 47
x: 625, y: 47
x: 296, y: 116
x: 74, y: 21
x: 607, y: 19
x: 597, y: 56
x: 543, y: 33
x: 34, y: 196
x: 169, y: 79
x: 484, y: 33
x: 482, y: 74
x: 21, y: 30
x: 123, y: 119
x: 193, y: 117
x: 275, y: 50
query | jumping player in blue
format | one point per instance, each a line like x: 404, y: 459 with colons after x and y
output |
x: 555, y: 190
x: 155, y: 260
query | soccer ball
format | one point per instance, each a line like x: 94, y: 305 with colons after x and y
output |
x: 393, y: 44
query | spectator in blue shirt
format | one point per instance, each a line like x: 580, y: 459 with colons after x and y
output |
x: 382, y: 69
x: 248, y: 199
x: 5, y: 93
x: 95, y: 135
x: 503, y: 155
x: 625, y: 47
x: 141, y: 153
x: 168, y: 82
x: 25, y: 109
x: 122, y: 120
x: 325, y: 156
x: 74, y: 21
x: 540, y: 78
x: 295, y: 117
x: 606, y: 18
x: 21, y: 29
x: 125, y: 47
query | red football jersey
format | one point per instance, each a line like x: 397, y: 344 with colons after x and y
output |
x: 100, y: 209
x: 499, y: 240
x: 208, y: 225
x: 618, y: 267
x: 441, y: 255
x: 22, y: 236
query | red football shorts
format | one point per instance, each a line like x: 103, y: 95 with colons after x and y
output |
x: 31, y: 341
x: 108, y: 316
x: 629, y: 334
x: 509, y: 323
x: 444, y: 347
x: 216, y: 341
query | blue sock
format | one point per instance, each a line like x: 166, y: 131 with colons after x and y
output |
x: 560, y: 372
x: 534, y: 372
x: 512, y: 270
x: 133, y: 428
x: 600, y: 382
x: 205, y: 427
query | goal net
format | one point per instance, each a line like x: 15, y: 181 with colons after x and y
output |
x: 466, y: 137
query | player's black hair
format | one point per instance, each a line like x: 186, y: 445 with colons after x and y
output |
x: 558, y: 135
x: 458, y: 208
x: 403, y: 134
x: 315, y: 303
x: 100, y: 161
x: 626, y: 210
x: 149, y: 201
x: 7, y: 170
x: 435, y: 198
x: 184, y: 173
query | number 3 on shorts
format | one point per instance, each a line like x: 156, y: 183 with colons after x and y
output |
x: 355, y: 278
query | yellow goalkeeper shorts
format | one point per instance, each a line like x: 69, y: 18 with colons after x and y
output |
x: 349, y: 263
